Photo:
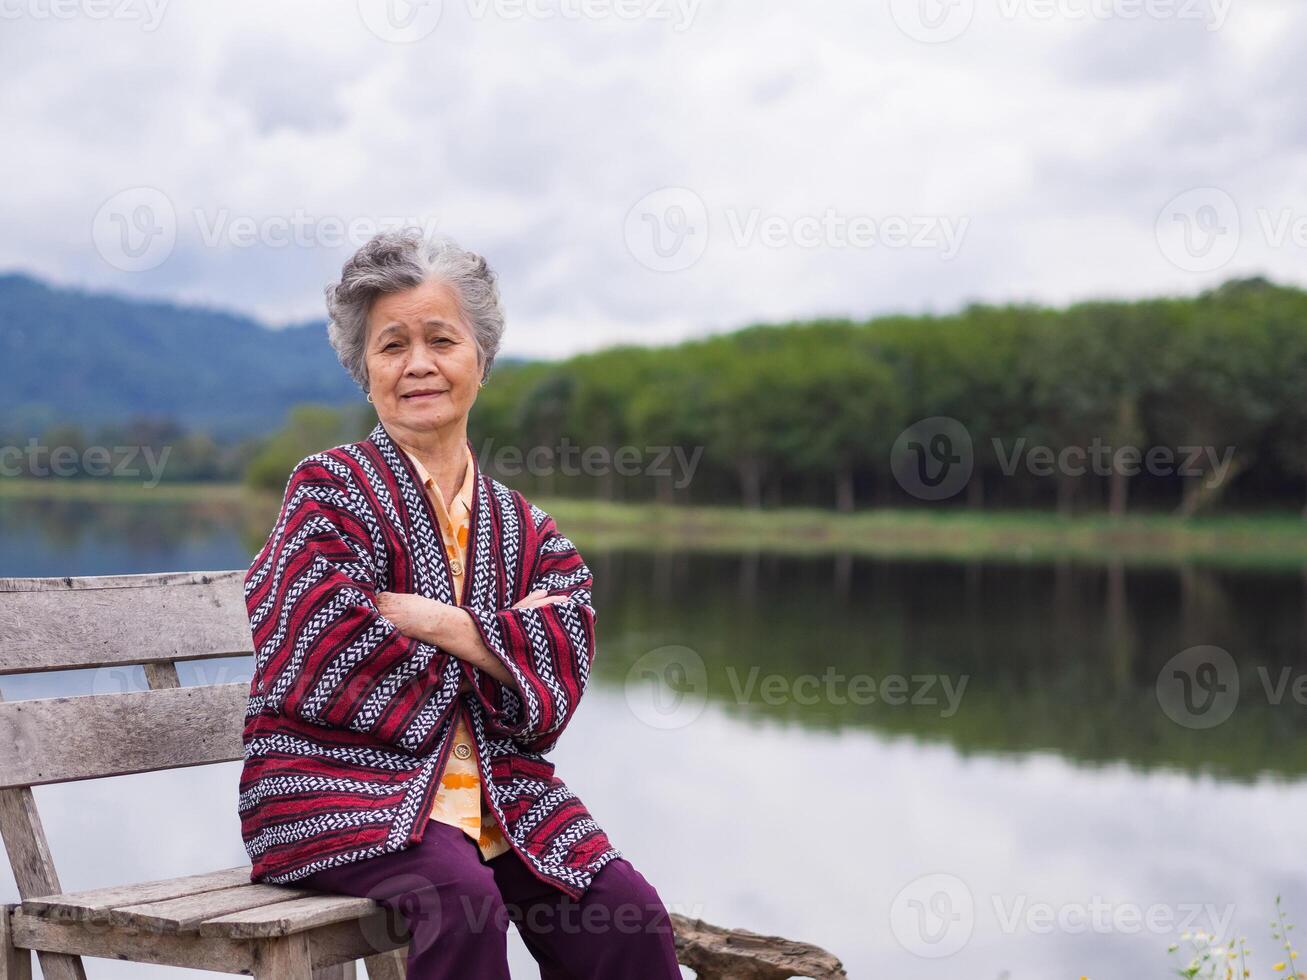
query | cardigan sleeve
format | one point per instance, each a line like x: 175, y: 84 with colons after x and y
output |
x: 547, y: 649
x: 324, y: 653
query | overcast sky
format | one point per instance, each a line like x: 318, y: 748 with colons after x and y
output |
x: 647, y: 170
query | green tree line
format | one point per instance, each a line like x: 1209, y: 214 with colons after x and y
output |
x: 810, y: 413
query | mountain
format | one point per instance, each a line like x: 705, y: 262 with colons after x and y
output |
x: 92, y: 358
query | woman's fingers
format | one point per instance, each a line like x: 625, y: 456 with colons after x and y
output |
x: 538, y: 598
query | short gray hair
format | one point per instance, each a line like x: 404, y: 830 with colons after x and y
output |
x: 396, y: 260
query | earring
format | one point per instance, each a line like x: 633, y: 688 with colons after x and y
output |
x: 369, y: 396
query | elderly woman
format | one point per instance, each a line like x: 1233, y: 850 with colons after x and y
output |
x: 422, y: 635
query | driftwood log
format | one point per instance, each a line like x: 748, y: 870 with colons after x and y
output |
x: 219, y: 920
x: 738, y: 954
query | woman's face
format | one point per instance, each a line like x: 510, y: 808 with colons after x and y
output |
x: 418, y: 343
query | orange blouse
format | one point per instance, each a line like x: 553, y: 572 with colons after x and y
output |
x: 458, y: 799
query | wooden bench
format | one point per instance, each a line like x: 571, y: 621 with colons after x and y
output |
x: 220, y: 920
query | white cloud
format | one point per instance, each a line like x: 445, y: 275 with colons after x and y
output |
x: 1057, y: 139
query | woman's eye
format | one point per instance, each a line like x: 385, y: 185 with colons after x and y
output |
x: 390, y: 345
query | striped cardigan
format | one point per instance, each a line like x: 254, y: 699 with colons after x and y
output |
x: 349, y: 721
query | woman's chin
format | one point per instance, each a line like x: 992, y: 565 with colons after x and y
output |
x: 424, y: 413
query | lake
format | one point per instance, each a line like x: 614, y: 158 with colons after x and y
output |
x: 987, y: 770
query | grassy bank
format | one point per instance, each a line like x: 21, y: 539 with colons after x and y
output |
x: 953, y: 534
x: 122, y: 491
x: 948, y: 533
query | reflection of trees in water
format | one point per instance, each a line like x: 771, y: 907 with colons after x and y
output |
x: 1062, y: 657
x: 62, y: 525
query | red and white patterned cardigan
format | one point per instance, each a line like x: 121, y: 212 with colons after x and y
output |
x: 349, y: 720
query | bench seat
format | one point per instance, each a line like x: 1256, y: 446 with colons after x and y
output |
x: 218, y: 921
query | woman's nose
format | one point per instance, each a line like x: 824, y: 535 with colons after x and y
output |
x: 421, y: 361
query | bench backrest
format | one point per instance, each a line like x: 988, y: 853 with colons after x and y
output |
x: 107, y: 623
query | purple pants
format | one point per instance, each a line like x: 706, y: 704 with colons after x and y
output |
x: 458, y: 906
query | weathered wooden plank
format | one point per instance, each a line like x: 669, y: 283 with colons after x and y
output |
x: 15, y: 962
x: 101, y: 940
x: 349, y: 941
x: 67, y: 623
x: 134, y: 581
x: 60, y: 739
x: 338, y: 943
x: 187, y: 912
x: 341, y: 971
x: 162, y: 675
x: 284, y: 959
x: 288, y: 918
x: 33, y: 866
x: 95, y: 903
x: 388, y: 966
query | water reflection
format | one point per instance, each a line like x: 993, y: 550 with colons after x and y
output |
x: 1051, y: 778
x: 1063, y: 658
x: 990, y: 657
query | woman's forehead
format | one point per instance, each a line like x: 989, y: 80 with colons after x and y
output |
x: 430, y: 304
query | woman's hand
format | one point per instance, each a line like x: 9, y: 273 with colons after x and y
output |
x: 413, y: 615
x: 450, y: 627
x: 537, y: 598
x: 419, y: 617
